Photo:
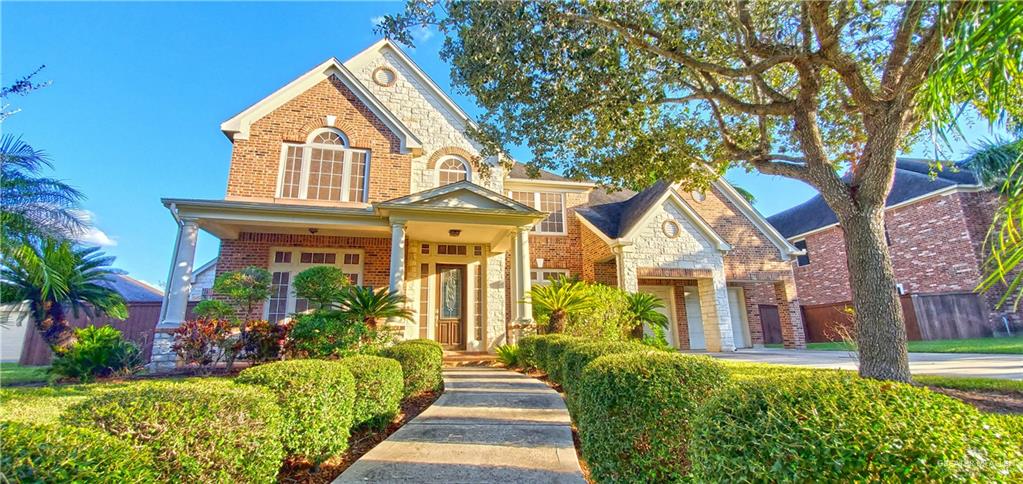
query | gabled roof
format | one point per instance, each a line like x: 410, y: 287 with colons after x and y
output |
x: 238, y: 126
x: 912, y: 180
x: 454, y: 196
x: 132, y: 290
x: 385, y: 44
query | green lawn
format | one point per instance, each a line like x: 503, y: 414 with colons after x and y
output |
x: 1011, y: 345
x: 747, y: 371
x: 11, y: 373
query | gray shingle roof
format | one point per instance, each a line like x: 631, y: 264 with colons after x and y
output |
x: 520, y: 171
x: 621, y: 211
x: 133, y: 290
x: 912, y: 179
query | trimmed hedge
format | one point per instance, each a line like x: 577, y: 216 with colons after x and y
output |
x: 197, y: 431
x: 316, y: 399
x: 634, y: 412
x: 527, y: 351
x: 577, y: 355
x: 54, y: 453
x: 421, y: 364
x: 538, y: 346
x: 553, y: 357
x: 841, y: 428
x: 379, y: 386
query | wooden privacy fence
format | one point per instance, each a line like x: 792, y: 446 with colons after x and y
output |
x: 139, y: 327
x: 953, y: 315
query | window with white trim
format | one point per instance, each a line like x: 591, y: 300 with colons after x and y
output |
x: 551, y: 202
x: 324, y: 168
x: 451, y: 170
x: 545, y: 276
x: 803, y: 260
x: 289, y: 261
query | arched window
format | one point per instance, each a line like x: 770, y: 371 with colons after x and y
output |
x: 324, y: 168
x: 451, y: 170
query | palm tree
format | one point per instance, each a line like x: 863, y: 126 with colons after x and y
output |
x: 992, y: 160
x: 32, y: 205
x: 54, y: 276
x: 369, y: 306
x: 558, y: 300
x: 644, y: 310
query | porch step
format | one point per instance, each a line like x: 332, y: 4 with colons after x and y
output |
x: 469, y: 358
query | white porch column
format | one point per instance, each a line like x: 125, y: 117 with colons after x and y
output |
x: 398, y: 257
x: 175, y: 298
x: 522, y: 283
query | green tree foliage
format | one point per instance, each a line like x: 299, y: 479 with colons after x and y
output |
x: 32, y: 205
x: 213, y: 309
x: 245, y: 288
x: 55, y: 276
x: 632, y: 92
x: 321, y: 285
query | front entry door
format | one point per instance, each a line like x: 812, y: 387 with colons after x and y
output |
x: 451, y: 307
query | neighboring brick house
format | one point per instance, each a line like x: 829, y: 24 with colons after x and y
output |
x: 365, y: 165
x: 935, y: 225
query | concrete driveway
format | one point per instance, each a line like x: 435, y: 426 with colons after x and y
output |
x: 945, y: 364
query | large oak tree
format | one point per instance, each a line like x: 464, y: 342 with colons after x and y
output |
x: 826, y: 92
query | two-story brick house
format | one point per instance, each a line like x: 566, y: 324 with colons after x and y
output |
x: 365, y: 165
x: 935, y: 224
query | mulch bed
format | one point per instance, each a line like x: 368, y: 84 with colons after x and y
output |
x: 987, y: 401
x: 361, y: 442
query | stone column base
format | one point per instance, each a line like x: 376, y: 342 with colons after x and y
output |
x: 163, y: 357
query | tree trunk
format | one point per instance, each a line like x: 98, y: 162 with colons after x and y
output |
x: 54, y: 328
x: 557, y: 321
x: 880, y: 328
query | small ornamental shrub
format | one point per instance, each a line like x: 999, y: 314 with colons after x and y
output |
x: 322, y: 286
x: 541, y: 344
x: 98, y: 352
x: 203, y: 342
x: 421, y: 363
x: 527, y: 351
x: 330, y: 334
x: 213, y: 309
x: 634, y: 413
x: 56, y: 453
x: 429, y: 343
x: 197, y: 430
x: 509, y: 355
x: 553, y: 361
x: 316, y: 400
x: 607, y: 318
x: 379, y: 386
x: 841, y: 428
x: 264, y: 341
x: 577, y: 355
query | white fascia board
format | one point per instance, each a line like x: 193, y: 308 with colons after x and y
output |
x: 238, y: 126
x: 359, y: 59
x: 719, y: 242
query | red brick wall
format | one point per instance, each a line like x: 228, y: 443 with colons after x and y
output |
x: 594, y: 257
x: 253, y: 249
x: 255, y: 162
x: 561, y: 251
x: 936, y: 246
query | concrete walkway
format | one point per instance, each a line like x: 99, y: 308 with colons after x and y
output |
x: 490, y: 425
x: 945, y: 364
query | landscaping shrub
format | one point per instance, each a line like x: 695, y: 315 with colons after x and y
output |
x: 316, y: 400
x: 841, y: 428
x: 527, y: 351
x: 421, y: 363
x: 213, y: 309
x: 578, y: 354
x: 197, y: 431
x: 53, y: 453
x: 98, y: 352
x: 379, y: 386
x: 204, y: 342
x: 634, y: 413
x: 607, y: 318
x: 540, y: 346
x: 553, y: 357
x: 509, y: 355
x: 264, y: 341
x: 330, y: 334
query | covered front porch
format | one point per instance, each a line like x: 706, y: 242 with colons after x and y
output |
x: 445, y: 250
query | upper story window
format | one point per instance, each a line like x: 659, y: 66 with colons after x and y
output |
x: 551, y: 202
x: 451, y: 170
x: 545, y: 276
x: 804, y: 259
x: 324, y: 168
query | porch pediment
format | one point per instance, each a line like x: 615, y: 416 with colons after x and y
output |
x: 463, y: 195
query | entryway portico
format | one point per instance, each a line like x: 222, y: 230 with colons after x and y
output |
x: 444, y: 249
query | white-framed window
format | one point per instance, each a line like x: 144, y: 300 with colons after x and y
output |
x: 551, y: 202
x: 287, y: 262
x: 452, y: 169
x: 324, y: 168
x: 545, y: 276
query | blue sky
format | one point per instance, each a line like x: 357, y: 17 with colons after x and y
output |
x: 139, y: 91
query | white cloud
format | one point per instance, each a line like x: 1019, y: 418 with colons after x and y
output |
x: 94, y: 235
x: 422, y: 34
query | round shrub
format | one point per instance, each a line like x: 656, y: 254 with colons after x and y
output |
x: 841, y: 428
x: 379, y: 386
x: 316, y: 399
x: 577, y: 355
x: 634, y: 413
x: 54, y: 453
x: 428, y: 342
x: 421, y: 365
x: 196, y: 430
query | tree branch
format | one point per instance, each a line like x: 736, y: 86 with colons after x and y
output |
x: 832, y: 56
x: 901, y: 43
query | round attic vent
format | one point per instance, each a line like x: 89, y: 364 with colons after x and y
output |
x: 671, y: 228
x: 384, y: 76
x: 699, y: 196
